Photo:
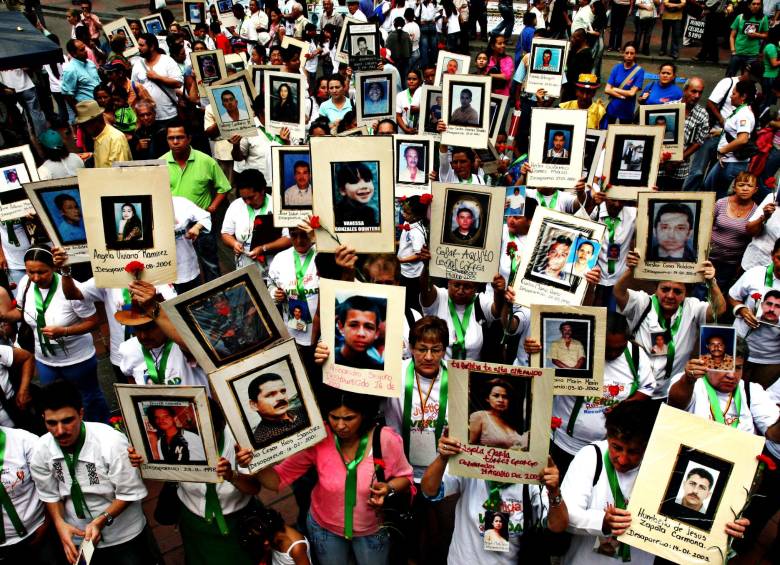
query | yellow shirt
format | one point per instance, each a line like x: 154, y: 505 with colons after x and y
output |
x: 567, y: 355
x: 111, y: 146
x: 596, y: 112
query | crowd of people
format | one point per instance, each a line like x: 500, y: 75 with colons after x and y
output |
x: 69, y: 478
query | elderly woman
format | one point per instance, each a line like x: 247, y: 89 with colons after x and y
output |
x: 491, y: 427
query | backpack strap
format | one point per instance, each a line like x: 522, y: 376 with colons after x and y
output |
x: 526, y: 509
x: 642, y: 318
x: 747, y: 395
x: 599, y: 464
x: 376, y: 452
x: 635, y: 356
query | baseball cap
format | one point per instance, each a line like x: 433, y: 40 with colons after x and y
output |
x: 51, y: 139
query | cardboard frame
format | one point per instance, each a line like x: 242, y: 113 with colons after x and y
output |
x: 230, y: 385
x: 385, y: 381
x: 590, y: 380
x: 242, y: 126
x: 554, y: 171
x: 549, y: 80
x: 474, y: 259
x: 534, y: 286
x: 122, y: 24
x: 651, y: 267
x: 257, y: 76
x: 443, y: 58
x: 298, y: 127
x: 288, y: 216
x: 363, y: 82
x: 427, y: 94
x: 478, y: 461
x: 241, y: 289
x: 42, y: 196
x: 590, y: 162
x: 677, y: 146
x: 197, y: 71
x: 666, y: 528
x: 475, y: 136
x: 500, y: 117
x: 342, y: 45
x: 14, y: 203
x: 619, y: 186
x: 243, y: 78
x: 359, y: 232
x: 135, y: 400
x: 371, y: 60
x: 360, y: 130
x: 187, y: 12
x: 225, y: 10
x: 404, y: 185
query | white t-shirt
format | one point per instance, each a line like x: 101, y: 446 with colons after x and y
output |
x: 6, y: 360
x: 104, y: 473
x: 722, y: 92
x: 759, y: 250
x: 14, y: 254
x: 404, y: 101
x: 422, y: 440
x: 178, y: 371
x: 694, y: 314
x: 18, y: 483
x: 564, y: 203
x: 186, y: 214
x: 586, y: 503
x: 257, y: 149
x: 751, y: 281
x: 221, y: 149
x: 68, y: 167
x: 624, y: 233
x: 473, y: 338
x: 774, y: 395
x: 590, y: 423
x: 743, y: 121
x: 414, y: 34
x: 447, y: 173
x: 60, y: 312
x: 16, y: 79
x: 282, y: 275
x: 411, y: 243
x: 164, y: 97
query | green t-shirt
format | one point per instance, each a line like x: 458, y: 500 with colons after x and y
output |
x: 747, y: 45
x: 198, y: 179
x: 770, y: 52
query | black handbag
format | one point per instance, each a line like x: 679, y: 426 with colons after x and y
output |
x: 168, y: 509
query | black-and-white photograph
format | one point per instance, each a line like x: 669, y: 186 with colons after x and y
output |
x: 567, y: 345
x: 466, y: 105
x: 466, y: 218
x: 594, y: 143
x: 557, y: 148
x: 127, y: 223
x: 499, y: 412
x: 674, y: 234
x: 362, y: 45
x: 631, y: 160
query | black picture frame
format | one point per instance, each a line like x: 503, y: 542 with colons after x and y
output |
x: 632, y: 167
x: 456, y: 88
x: 583, y: 328
x: 519, y: 412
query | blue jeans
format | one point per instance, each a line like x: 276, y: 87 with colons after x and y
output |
x: 770, y: 170
x: 37, y: 116
x: 737, y: 62
x: 84, y: 376
x: 719, y: 177
x: 333, y: 549
x: 428, y: 45
x: 507, y: 22
x: 699, y: 162
x: 673, y: 28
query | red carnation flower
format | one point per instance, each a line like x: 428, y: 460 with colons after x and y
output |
x: 13, y: 303
x: 402, y: 199
x: 756, y: 296
x: 511, y: 248
x: 666, y: 155
x: 261, y: 258
x: 426, y: 199
x: 406, y: 227
x: 314, y: 222
x: 768, y: 461
x: 609, y: 185
x: 135, y: 268
x: 771, y: 182
x: 555, y: 423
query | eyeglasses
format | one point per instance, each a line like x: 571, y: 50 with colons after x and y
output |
x: 676, y: 291
x: 435, y: 351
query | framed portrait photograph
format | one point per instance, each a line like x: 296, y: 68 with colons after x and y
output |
x: 362, y: 45
x: 556, y: 148
x: 718, y: 346
x: 153, y: 24
x: 362, y: 325
x: 414, y: 159
x: 545, y: 273
x: 375, y: 99
x: 128, y: 212
x: 695, y: 475
x: 448, y: 63
x: 292, y: 193
x: 572, y: 340
x: 227, y: 319
x: 225, y: 9
x: 360, y: 130
x: 673, y: 234
x: 232, y: 106
x: 343, y: 45
x: 269, y: 404
x: 244, y: 77
x: 122, y: 27
x: 548, y: 62
x: 501, y: 413
x: 465, y: 234
x: 236, y: 62
x: 290, y: 43
x: 499, y: 114
x: 514, y: 201
x: 194, y: 11
x: 284, y: 95
x: 489, y: 158
x: 354, y: 186
x: 430, y: 110
x: 631, y: 160
x: 58, y: 206
x: 17, y: 167
x: 208, y: 68
x: 257, y: 76
x: 593, y: 155
x: 672, y: 118
x: 172, y: 428
x: 466, y: 110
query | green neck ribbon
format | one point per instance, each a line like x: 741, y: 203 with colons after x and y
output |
x: 612, y: 224
x: 5, y: 501
x: 300, y: 272
x: 671, y: 333
x: 408, y: 394
x: 41, y: 306
x: 624, y: 551
x: 76, y: 495
x: 769, y: 279
x: 350, y: 487
x: 717, y: 412
x: 157, y: 373
x: 543, y: 201
x: 213, y: 507
x: 461, y: 327
x: 494, y: 489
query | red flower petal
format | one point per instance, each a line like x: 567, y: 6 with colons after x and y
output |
x: 768, y: 461
x: 609, y: 185
x: 426, y: 199
x: 258, y: 222
x: 756, y: 296
x: 406, y: 227
x: 134, y: 268
x: 511, y: 248
x: 771, y: 182
x: 555, y: 422
x: 314, y: 222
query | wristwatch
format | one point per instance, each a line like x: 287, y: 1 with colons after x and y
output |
x: 556, y: 500
x: 109, y: 518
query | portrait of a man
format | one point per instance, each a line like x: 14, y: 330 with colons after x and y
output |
x: 543, y: 61
x: 300, y: 193
x: 673, y: 230
x: 269, y: 398
x: 567, y: 352
x: 557, y: 152
x: 695, y: 490
x: 172, y: 443
x: 434, y: 111
x: 465, y: 223
x: 358, y: 320
x: 668, y: 121
x: 362, y: 48
x: 660, y: 343
x: 231, y: 112
x: 716, y: 344
x: 411, y: 167
x: 631, y: 158
x: 552, y: 262
x: 209, y: 68
x: 465, y: 114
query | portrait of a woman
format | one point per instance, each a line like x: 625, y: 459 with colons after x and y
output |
x: 129, y: 227
x: 285, y: 105
x: 492, y: 427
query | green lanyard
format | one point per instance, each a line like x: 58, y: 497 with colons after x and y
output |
x: 41, y: 306
x: 157, y: 374
x: 632, y: 367
x: 409, y: 392
x: 213, y: 509
x: 76, y: 495
x: 543, y: 201
x: 769, y: 279
x: 300, y: 272
x: 494, y: 489
x: 624, y: 551
x: 270, y: 137
x: 350, y: 487
x: 253, y: 214
x: 127, y: 301
x: 411, y: 114
x: 5, y: 501
x: 11, y: 232
x: 717, y: 412
x: 461, y: 328
x: 612, y: 224
x: 672, y: 333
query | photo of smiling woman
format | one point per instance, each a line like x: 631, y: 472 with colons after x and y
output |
x: 356, y: 194
x: 494, y: 424
x: 129, y: 226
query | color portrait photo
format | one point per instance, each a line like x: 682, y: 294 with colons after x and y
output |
x: 499, y: 411
x: 356, y: 196
x: 172, y: 431
x: 360, y: 331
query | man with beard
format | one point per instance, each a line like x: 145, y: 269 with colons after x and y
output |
x: 160, y: 75
x: 174, y: 444
x: 268, y: 397
x: 696, y: 489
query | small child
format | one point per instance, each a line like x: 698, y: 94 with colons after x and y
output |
x: 272, y: 542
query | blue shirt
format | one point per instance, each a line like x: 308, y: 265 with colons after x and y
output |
x: 70, y: 233
x: 663, y: 94
x: 329, y: 110
x: 79, y: 79
x: 624, y: 109
x: 526, y: 37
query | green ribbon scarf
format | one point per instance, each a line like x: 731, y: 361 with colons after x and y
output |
x: 157, y: 374
x: 624, y: 551
x: 671, y: 331
x: 494, y: 489
x: 300, y: 272
x: 5, y: 501
x: 612, y: 224
x: 76, y: 494
x: 213, y: 507
x: 10, y: 226
x: 409, y: 392
x: 350, y: 486
x: 41, y: 306
x: 461, y: 327
x: 632, y: 367
x: 717, y: 412
x: 769, y: 279
x: 543, y: 201
x: 127, y: 302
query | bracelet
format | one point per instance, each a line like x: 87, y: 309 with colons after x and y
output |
x: 737, y: 308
